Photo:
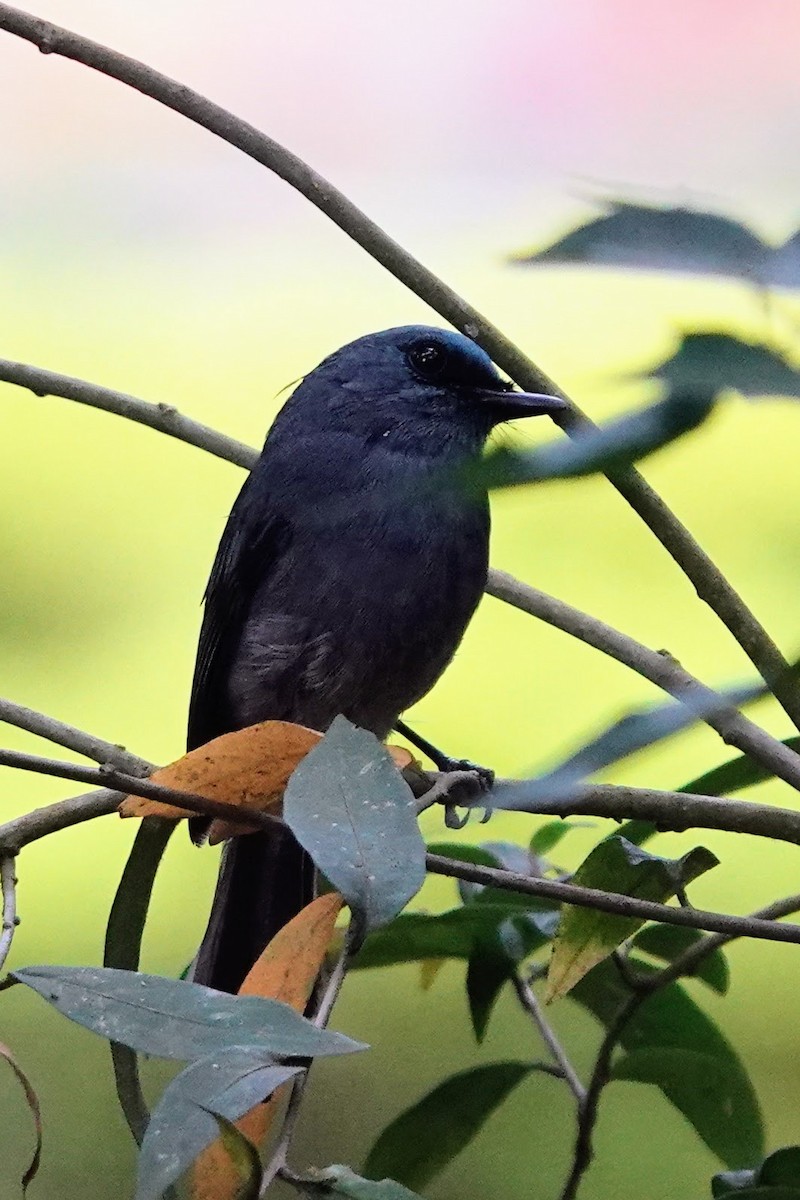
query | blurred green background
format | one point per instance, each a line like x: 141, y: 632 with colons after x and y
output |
x: 139, y: 253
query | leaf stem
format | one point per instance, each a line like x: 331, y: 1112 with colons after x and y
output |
x: 530, y: 1002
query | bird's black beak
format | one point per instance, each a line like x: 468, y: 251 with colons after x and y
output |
x: 510, y: 404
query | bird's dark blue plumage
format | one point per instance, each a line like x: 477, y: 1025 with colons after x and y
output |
x: 348, y: 570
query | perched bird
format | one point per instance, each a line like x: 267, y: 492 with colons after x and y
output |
x: 349, y: 568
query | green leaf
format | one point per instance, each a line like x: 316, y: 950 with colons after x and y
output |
x: 620, y: 740
x: 423, y: 1139
x: 585, y: 935
x: 171, y: 1018
x: 341, y: 1181
x: 244, y: 1157
x: 457, y: 933
x: 226, y: 1084
x: 719, y: 362
x: 351, y: 809
x: 734, y: 775
x: 729, y: 1118
x: 661, y: 238
x: 548, y: 836
x: 668, y: 942
x: 123, y: 946
x: 488, y: 971
x: 781, y: 1167
x: 463, y: 852
x: 637, y: 832
x: 611, y: 446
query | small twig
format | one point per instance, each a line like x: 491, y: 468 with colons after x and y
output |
x: 8, y: 880
x: 73, y: 739
x: 530, y: 1002
x: 161, y: 417
x: 685, y: 964
x: 614, y: 902
x: 319, y: 1017
x: 733, y: 726
x: 132, y: 785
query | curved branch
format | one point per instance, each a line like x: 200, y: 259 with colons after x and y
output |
x: 8, y: 877
x: 72, y: 738
x: 709, y: 582
x: 162, y: 417
x: 614, y: 902
x: 733, y: 726
x: 676, y: 811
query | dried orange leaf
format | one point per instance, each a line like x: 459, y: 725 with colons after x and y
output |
x: 287, y: 971
x: 248, y: 767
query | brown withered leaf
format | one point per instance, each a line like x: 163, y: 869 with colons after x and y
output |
x: 287, y: 971
x: 249, y: 768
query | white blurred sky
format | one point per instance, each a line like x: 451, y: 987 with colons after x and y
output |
x: 411, y: 106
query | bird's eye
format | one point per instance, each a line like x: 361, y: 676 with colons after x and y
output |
x: 428, y: 359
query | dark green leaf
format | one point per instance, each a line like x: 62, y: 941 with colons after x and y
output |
x: 586, y: 935
x: 463, y: 852
x: 488, y: 971
x: 661, y: 238
x: 623, y: 738
x: 228, y: 1083
x: 729, y: 1121
x: 720, y: 362
x: 734, y: 775
x: 457, y: 933
x: 244, y: 1157
x: 123, y: 946
x: 547, y: 836
x: 349, y: 806
x: 781, y: 1167
x: 341, y: 1181
x: 668, y: 942
x: 616, y: 444
x: 726, y: 1182
x: 637, y: 832
x: 784, y: 264
x: 170, y: 1018
x: 423, y: 1139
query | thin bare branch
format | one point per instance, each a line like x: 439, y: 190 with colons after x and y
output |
x: 162, y: 417
x: 709, y: 582
x: 530, y: 1002
x: 123, y: 785
x: 8, y: 880
x: 613, y: 902
x: 733, y: 726
x: 676, y: 811
x: 73, y: 739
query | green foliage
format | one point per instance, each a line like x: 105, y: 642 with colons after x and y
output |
x: 170, y: 1018
x: 669, y: 942
x: 428, y: 1135
x: 349, y: 807
x: 226, y: 1084
x: 587, y: 935
x: 777, y: 1178
x: 670, y: 1042
x: 735, y: 775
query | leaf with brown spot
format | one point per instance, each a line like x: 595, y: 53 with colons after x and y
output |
x: 286, y: 970
x: 249, y: 767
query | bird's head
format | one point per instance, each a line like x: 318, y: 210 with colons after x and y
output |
x: 413, y: 389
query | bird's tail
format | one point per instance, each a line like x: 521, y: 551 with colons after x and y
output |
x: 265, y: 879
